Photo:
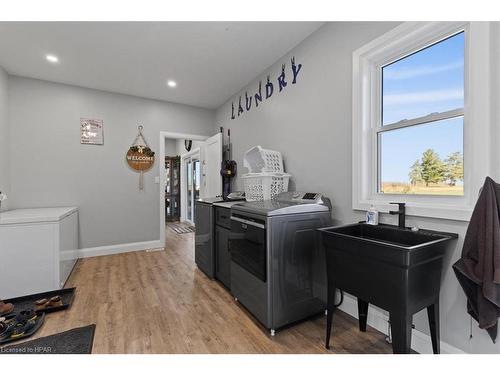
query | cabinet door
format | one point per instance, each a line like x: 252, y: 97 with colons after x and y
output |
x: 204, y: 246
x: 172, y: 198
x: 223, y: 258
x: 223, y: 217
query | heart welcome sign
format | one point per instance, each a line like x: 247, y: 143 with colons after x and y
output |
x: 140, y: 157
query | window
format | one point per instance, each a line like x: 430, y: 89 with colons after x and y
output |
x: 421, y: 118
x: 420, y: 134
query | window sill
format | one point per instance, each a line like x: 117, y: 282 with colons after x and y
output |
x: 436, y: 211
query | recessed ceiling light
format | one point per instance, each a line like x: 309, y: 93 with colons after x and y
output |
x: 52, y: 58
x: 171, y: 83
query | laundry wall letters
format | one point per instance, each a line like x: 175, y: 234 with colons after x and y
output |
x: 245, y: 104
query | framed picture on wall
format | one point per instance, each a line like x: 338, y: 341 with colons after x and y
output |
x: 91, y: 131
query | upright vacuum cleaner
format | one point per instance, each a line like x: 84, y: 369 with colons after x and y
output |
x: 228, y: 167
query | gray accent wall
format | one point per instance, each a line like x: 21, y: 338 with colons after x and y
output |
x: 310, y: 123
x: 4, y: 138
x: 495, y: 87
x: 49, y: 166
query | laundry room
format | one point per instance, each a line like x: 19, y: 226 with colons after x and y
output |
x: 315, y: 185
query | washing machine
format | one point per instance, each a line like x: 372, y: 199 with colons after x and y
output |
x: 278, y: 270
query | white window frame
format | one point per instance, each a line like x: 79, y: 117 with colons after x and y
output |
x: 367, y: 62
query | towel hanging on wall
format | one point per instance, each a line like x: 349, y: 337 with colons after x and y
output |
x: 140, y: 157
x: 478, y: 269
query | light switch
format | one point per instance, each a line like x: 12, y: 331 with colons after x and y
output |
x: 157, y: 179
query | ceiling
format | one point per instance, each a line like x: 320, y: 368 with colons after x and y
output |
x: 210, y: 61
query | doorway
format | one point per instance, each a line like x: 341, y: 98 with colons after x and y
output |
x: 205, y: 173
x: 177, y: 138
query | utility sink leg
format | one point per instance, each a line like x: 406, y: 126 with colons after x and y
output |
x: 362, y: 314
x: 273, y: 333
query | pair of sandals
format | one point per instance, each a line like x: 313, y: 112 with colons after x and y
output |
x: 46, y: 303
x: 16, y: 325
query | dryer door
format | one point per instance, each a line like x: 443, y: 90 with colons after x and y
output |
x: 247, y: 245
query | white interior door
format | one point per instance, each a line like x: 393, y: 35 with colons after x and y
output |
x: 212, y: 164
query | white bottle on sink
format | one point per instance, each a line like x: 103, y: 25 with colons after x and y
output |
x: 372, y: 216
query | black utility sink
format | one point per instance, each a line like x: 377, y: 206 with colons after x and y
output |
x: 396, y: 269
x: 390, y: 235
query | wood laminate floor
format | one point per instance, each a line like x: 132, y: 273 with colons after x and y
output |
x: 159, y: 302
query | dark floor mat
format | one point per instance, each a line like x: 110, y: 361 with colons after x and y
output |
x: 28, y: 302
x: 74, y: 341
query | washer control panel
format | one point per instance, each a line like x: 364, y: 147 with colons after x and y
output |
x: 300, y: 197
x: 310, y: 196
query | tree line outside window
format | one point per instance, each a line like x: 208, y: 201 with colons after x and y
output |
x: 430, y: 169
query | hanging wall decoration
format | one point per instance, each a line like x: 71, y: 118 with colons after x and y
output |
x: 91, y: 131
x: 140, y: 157
x: 281, y: 83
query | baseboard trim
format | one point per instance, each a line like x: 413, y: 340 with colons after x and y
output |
x: 420, y: 342
x: 117, y: 249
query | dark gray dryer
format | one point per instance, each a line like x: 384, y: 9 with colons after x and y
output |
x: 278, y: 267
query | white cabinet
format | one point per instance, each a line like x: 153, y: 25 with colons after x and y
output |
x: 38, y: 249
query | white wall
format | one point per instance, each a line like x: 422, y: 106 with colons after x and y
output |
x: 170, y: 147
x: 310, y: 123
x: 181, y: 149
x: 4, y: 138
x: 49, y: 166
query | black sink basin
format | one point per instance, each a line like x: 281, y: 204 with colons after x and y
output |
x: 396, y: 269
x: 390, y: 235
x: 387, y: 243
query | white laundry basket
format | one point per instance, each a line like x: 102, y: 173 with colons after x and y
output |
x: 259, y: 160
x: 264, y: 186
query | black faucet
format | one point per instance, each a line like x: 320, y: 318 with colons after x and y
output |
x: 401, y: 214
